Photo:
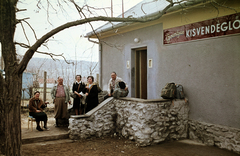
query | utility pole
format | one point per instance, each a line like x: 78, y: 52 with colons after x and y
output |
x: 111, y: 8
x: 2, y: 65
x: 45, y: 86
x: 122, y: 10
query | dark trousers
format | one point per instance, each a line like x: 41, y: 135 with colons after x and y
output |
x: 41, y: 116
x: 107, y: 96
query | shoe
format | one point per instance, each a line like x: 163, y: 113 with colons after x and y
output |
x: 56, y: 124
x: 39, y: 129
x: 46, y: 128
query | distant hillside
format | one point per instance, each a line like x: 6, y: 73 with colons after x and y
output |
x: 61, y: 68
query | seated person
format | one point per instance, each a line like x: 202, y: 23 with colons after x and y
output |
x: 114, y: 88
x: 36, y: 106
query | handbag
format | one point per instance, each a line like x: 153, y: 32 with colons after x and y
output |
x: 83, y: 98
x: 73, y: 95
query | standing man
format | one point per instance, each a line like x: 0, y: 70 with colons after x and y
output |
x: 113, y: 85
x: 60, y: 96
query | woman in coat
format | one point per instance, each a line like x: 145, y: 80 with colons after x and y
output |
x: 78, y: 87
x: 91, y: 93
x: 36, y: 106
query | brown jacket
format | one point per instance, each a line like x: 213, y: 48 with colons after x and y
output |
x: 32, y: 105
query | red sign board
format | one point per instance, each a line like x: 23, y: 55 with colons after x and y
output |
x: 220, y: 26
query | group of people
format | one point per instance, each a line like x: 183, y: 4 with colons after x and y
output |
x: 87, y: 95
x: 85, y: 101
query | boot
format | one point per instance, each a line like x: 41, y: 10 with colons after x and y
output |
x: 56, y: 125
x: 39, y: 128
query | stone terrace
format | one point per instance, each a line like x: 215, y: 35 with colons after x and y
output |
x: 145, y: 121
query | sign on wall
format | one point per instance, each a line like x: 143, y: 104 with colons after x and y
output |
x: 219, y: 26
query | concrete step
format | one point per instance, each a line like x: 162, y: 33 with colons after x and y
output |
x: 51, y: 142
x: 38, y: 139
x: 33, y: 136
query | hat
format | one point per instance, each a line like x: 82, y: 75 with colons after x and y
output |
x: 122, y: 85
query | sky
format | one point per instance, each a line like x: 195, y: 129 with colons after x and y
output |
x: 70, y: 42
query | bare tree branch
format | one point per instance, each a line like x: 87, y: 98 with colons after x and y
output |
x: 147, y: 3
x: 22, y: 45
x: 93, y: 41
x: 104, y: 9
x: 94, y: 67
x: 46, y: 53
x: 52, y: 56
x: 215, y: 8
x: 18, y: 10
x: 25, y: 33
x: 19, y: 20
x: 81, y: 12
x: 224, y: 6
x: 35, y: 35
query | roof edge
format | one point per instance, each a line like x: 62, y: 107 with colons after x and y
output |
x: 170, y: 10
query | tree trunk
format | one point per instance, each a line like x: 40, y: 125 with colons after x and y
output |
x: 11, y: 85
x: 10, y: 119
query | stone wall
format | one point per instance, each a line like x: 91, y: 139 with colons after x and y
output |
x: 215, y: 135
x: 144, y: 121
x: 98, y: 122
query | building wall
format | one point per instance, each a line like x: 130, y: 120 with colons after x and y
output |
x: 208, y: 69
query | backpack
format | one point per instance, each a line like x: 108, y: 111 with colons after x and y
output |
x: 168, y: 92
x: 179, y: 92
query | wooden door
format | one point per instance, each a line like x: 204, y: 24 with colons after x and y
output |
x: 141, y: 74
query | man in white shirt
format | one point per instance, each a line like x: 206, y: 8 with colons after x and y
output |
x: 114, y: 88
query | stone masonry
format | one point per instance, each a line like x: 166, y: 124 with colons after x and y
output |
x: 149, y: 122
x: 146, y: 122
x: 215, y: 135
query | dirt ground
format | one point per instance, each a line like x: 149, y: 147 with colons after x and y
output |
x: 120, y: 147
x: 116, y: 146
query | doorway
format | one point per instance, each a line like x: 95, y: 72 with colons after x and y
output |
x: 140, y: 73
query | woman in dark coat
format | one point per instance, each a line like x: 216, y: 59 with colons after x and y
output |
x: 78, y: 87
x: 91, y: 93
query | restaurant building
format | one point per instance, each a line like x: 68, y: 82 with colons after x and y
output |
x: 195, y: 44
